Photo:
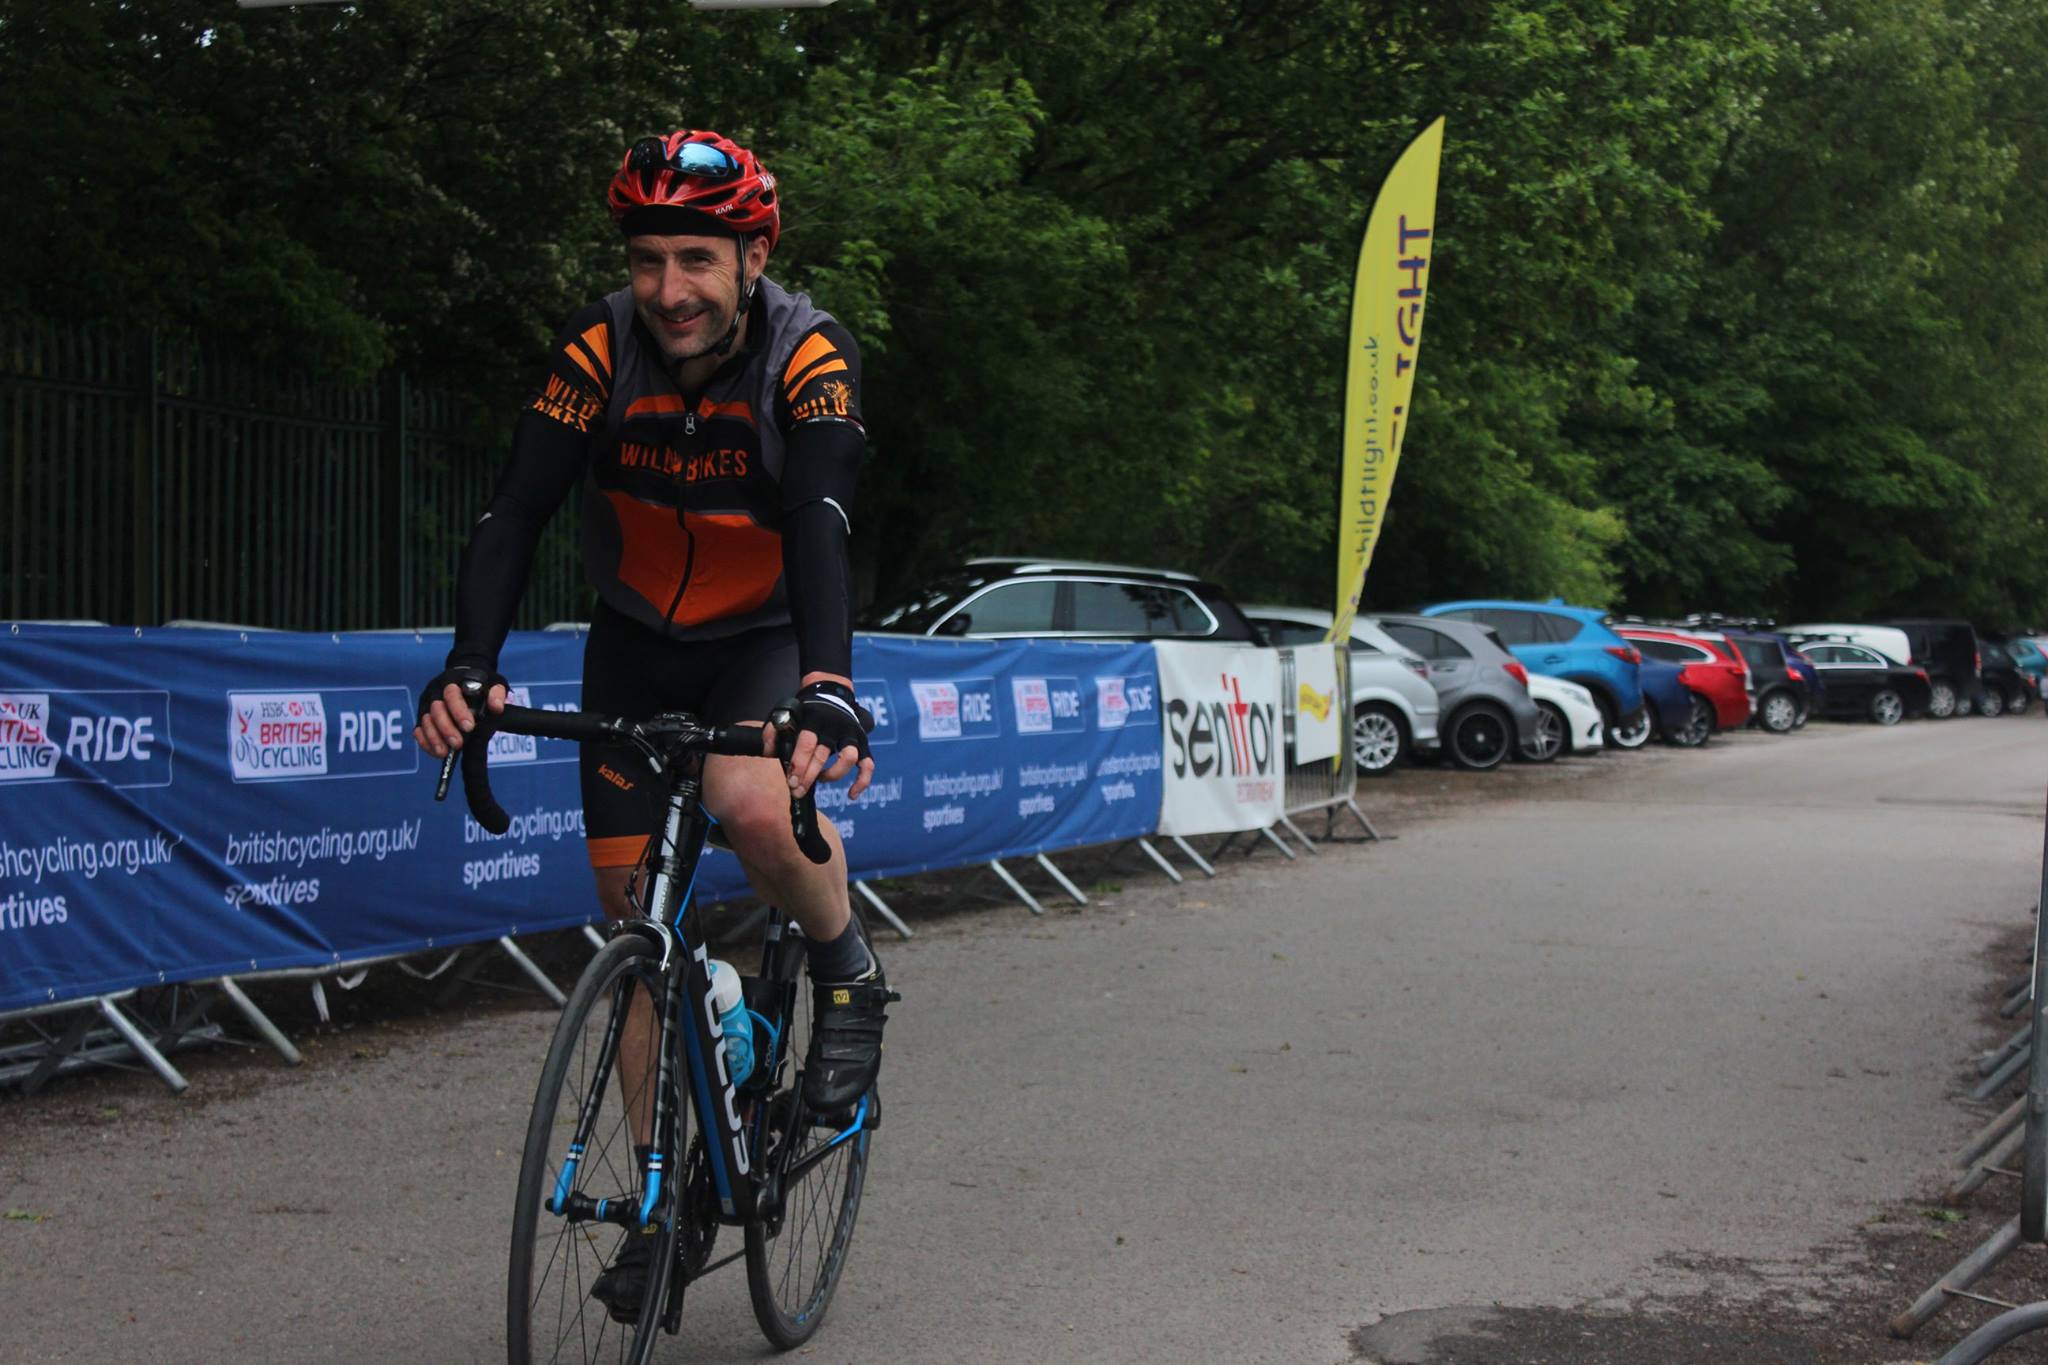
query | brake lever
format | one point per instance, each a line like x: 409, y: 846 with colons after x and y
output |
x: 803, y: 810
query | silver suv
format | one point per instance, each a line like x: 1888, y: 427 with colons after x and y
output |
x: 1393, y: 707
x: 1482, y: 689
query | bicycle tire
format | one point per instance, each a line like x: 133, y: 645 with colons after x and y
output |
x: 789, y: 1286
x: 579, y: 1058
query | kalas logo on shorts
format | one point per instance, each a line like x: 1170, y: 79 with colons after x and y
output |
x: 961, y: 709
x: 1126, y: 701
x: 1047, y: 705
x: 119, y: 737
x: 339, y: 732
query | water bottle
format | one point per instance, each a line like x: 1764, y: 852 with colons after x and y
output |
x: 733, y: 1021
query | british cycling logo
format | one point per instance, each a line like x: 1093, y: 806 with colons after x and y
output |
x: 1047, y: 706
x: 121, y: 738
x: 1126, y: 701
x: 336, y: 732
x: 964, y: 708
x: 1225, y: 736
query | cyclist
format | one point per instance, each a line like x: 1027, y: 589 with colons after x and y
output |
x: 716, y: 419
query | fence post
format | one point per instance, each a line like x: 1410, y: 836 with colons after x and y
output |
x: 146, y: 484
x: 391, y: 593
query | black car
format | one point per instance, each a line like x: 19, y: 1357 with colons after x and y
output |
x: 2003, y: 687
x: 1067, y: 598
x: 1863, y: 684
x: 1948, y: 651
x: 1781, y: 695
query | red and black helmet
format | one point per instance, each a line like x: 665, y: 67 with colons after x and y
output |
x: 694, y: 180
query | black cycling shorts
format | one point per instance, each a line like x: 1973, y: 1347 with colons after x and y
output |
x: 631, y: 672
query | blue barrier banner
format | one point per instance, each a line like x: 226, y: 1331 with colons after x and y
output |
x: 178, y: 804
x: 183, y: 804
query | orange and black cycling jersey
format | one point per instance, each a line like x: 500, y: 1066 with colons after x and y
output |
x: 704, y: 514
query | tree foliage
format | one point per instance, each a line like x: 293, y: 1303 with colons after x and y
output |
x: 1734, y: 306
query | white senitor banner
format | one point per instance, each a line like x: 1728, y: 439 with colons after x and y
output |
x: 1318, y: 719
x: 1224, y: 759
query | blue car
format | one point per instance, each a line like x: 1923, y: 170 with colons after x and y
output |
x: 1573, y: 643
x: 1816, y: 691
x: 1671, y: 710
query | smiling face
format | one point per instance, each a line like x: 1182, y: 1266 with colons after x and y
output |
x: 687, y: 287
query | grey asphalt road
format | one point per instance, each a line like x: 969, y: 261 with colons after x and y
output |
x: 1554, y: 1046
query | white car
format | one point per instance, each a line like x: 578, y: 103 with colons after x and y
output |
x: 1393, y: 706
x: 1889, y: 641
x: 1571, y: 721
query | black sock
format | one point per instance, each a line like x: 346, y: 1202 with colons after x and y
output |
x: 845, y: 958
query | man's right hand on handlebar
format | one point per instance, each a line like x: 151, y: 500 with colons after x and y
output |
x: 448, y: 706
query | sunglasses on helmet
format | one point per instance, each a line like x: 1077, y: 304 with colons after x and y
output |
x: 692, y: 158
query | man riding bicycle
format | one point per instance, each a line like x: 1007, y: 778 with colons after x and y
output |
x: 716, y: 418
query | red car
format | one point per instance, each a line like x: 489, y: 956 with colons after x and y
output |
x: 1712, y: 667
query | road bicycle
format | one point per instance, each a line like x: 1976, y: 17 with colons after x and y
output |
x: 711, y: 1153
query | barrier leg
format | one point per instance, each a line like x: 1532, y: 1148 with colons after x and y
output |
x: 1278, y: 843
x: 1990, y: 1060
x: 1990, y: 1164
x: 2009, y: 1069
x: 1988, y: 1136
x: 1967, y: 1272
x: 527, y: 965
x: 1359, y: 815
x: 1160, y: 858
x: 2016, y: 1002
x: 71, y: 1040
x: 1295, y: 830
x: 1185, y: 847
x: 2006, y: 1327
x: 258, y: 1020
x: 1030, y: 901
x: 158, y: 1063
x: 596, y: 939
x: 1061, y: 878
x: 882, y: 908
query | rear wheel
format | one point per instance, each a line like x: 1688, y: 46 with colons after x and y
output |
x: 1778, y: 712
x: 557, y: 1256
x: 1551, y: 732
x: 1887, y: 708
x: 1941, y: 699
x: 1699, y: 724
x: 1379, y: 738
x: 2017, y: 701
x: 1992, y: 703
x: 1480, y: 737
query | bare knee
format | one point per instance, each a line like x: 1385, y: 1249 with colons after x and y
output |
x: 756, y: 823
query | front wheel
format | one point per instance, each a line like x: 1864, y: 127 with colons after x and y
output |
x: 1941, y: 700
x: 1887, y: 708
x: 1379, y: 739
x: 1699, y: 724
x: 1636, y: 733
x: 577, y: 1206
x: 1992, y: 703
x: 2017, y: 701
x: 798, y: 1239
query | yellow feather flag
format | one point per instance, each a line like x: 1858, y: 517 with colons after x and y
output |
x: 1386, y: 338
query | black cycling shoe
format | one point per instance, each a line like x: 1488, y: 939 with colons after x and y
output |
x: 846, y: 1042
x: 624, y: 1282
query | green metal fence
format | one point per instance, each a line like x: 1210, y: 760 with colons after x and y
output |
x: 153, y: 478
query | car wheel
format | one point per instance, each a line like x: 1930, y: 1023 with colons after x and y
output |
x: 1480, y: 738
x: 2017, y: 701
x: 1551, y: 730
x: 1778, y: 712
x: 1941, y: 700
x: 1698, y: 727
x: 1805, y: 712
x: 1379, y: 739
x: 1633, y: 736
x: 1991, y: 703
x: 1886, y: 708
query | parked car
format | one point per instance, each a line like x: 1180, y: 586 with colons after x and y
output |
x: 1570, y: 721
x: 1864, y: 683
x: 1572, y: 643
x: 1393, y: 707
x: 1068, y: 598
x: 1948, y: 651
x: 1482, y: 690
x: 2002, y: 684
x: 1766, y: 629
x: 2027, y: 654
x: 1710, y: 666
x: 1889, y: 641
x: 1781, y: 694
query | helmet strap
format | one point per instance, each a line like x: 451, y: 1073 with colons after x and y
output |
x: 746, y: 302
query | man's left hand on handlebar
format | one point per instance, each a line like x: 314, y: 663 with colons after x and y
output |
x: 832, y: 738
x: 446, y: 713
